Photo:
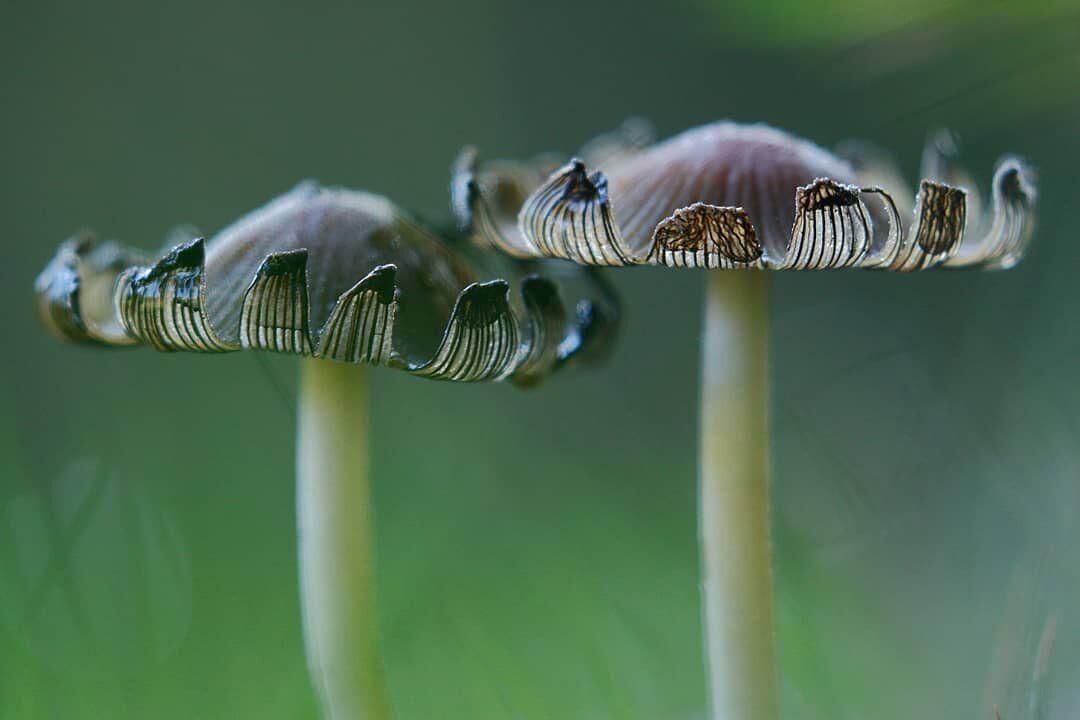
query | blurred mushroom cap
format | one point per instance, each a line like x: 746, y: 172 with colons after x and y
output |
x: 331, y: 273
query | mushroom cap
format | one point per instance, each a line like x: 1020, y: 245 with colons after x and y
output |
x: 754, y: 167
x: 731, y: 196
x: 337, y: 274
x: 346, y: 234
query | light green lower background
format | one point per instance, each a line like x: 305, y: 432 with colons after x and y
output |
x: 537, y: 549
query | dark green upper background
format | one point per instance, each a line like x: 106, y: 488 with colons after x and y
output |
x: 537, y: 549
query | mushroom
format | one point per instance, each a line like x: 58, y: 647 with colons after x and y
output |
x: 345, y: 279
x: 748, y: 198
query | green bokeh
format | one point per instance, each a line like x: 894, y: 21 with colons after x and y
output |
x: 537, y: 550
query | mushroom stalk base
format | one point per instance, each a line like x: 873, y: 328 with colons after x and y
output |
x: 334, y: 518
x: 734, y: 499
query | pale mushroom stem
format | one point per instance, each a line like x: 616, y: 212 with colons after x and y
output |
x: 335, y: 528
x: 734, y: 499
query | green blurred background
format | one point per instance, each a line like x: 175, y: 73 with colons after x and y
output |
x: 537, y: 550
